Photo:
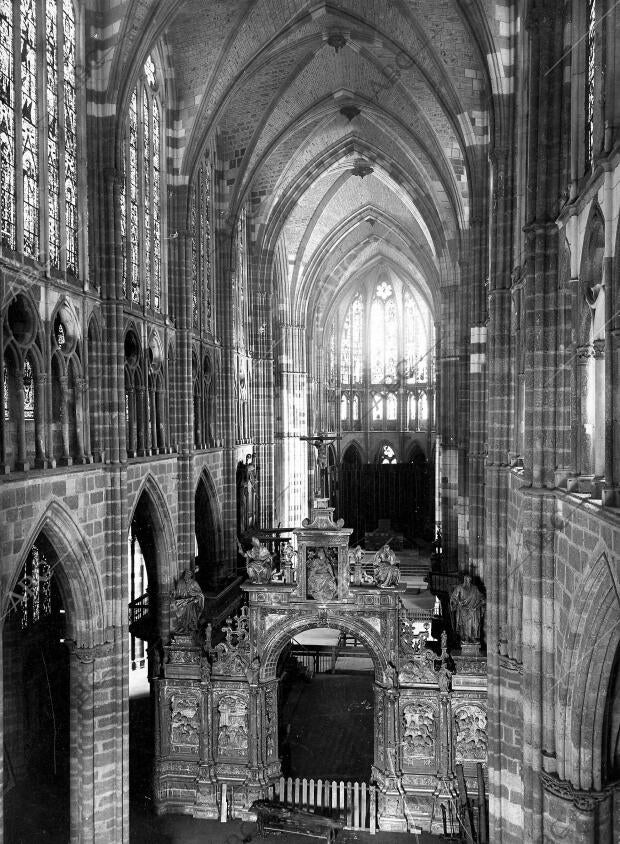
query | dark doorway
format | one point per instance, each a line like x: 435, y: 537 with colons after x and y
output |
x: 144, y: 643
x: 326, y: 708
x: 400, y: 492
x: 207, y: 540
x: 36, y: 707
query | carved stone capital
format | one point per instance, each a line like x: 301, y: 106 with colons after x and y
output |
x: 88, y: 655
x: 584, y: 801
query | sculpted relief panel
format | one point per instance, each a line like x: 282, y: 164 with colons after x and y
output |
x: 470, y: 723
x: 232, y: 735
x: 419, y: 730
x: 184, y: 721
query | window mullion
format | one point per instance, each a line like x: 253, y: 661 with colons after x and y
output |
x: 19, y: 169
x: 140, y: 192
x: 61, y: 138
x: 42, y: 127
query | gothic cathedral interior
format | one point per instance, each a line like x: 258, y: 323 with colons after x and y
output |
x: 311, y: 410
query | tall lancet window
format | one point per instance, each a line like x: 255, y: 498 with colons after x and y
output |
x: 7, y: 127
x: 352, y: 343
x: 590, y: 79
x: 38, y: 141
x: 141, y: 199
x: 29, y: 110
x: 385, y: 356
x: 200, y: 214
x: 417, y: 346
x: 383, y: 335
x: 69, y: 126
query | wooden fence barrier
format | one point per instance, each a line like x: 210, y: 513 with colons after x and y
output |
x: 355, y: 804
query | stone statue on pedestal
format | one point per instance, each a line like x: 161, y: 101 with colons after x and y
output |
x: 467, y: 608
x: 385, y: 568
x: 259, y: 562
x: 187, y: 603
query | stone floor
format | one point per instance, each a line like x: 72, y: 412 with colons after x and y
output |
x: 181, y: 829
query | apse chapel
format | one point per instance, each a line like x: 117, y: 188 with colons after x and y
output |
x: 311, y: 376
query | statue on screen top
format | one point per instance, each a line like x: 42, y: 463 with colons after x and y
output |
x: 259, y: 562
x: 187, y: 603
x: 467, y: 608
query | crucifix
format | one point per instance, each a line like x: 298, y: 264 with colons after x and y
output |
x: 320, y: 441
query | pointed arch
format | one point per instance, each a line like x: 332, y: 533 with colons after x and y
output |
x: 151, y: 488
x: 208, y: 528
x: 386, y: 453
x: 590, y: 644
x: 78, y: 576
x: 353, y: 454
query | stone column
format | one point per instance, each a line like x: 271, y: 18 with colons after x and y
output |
x: 80, y: 389
x: 98, y: 723
x: 40, y: 385
x: 20, y: 424
x: 140, y: 420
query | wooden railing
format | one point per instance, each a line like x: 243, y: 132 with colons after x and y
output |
x: 138, y: 608
x: 443, y: 581
x: 318, y: 659
x: 219, y: 607
x: 354, y: 804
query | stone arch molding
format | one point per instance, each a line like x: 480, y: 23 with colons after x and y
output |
x: 205, y: 478
x: 283, y: 631
x: 164, y: 532
x: 77, y: 574
x: 591, y: 641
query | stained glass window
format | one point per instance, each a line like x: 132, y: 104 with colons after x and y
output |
x: 5, y: 380
x: 422, y: 410
x: 371, y: 336
x: 28, y: 391
x: 411, y: 409
x: 352, y: 343
x: 357, y: 340
x: 141, y: 223
x: 146, y: 195
x: 194, y: 225
x: 149, y: 71
x: 383, y: 334
x: 388, y: 455
x: 590, y: 77
x: 34, y: 586
x: 345, y: 350
x: 206, y: 243
x: 38, y: 142
x: 201, y: 227
x: 30, y: 152
x: 53, y: 162
x: 344, y: 409
x: 123, y: 226
x: 156, y: 207
x: 416, y: 340
x: 331, y: 362
x: 134, y: 237
x: 70, y: 135
x: 377, y: 408
x: 7, y: 126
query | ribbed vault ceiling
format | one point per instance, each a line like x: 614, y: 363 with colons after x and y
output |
x: 353, y: 130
